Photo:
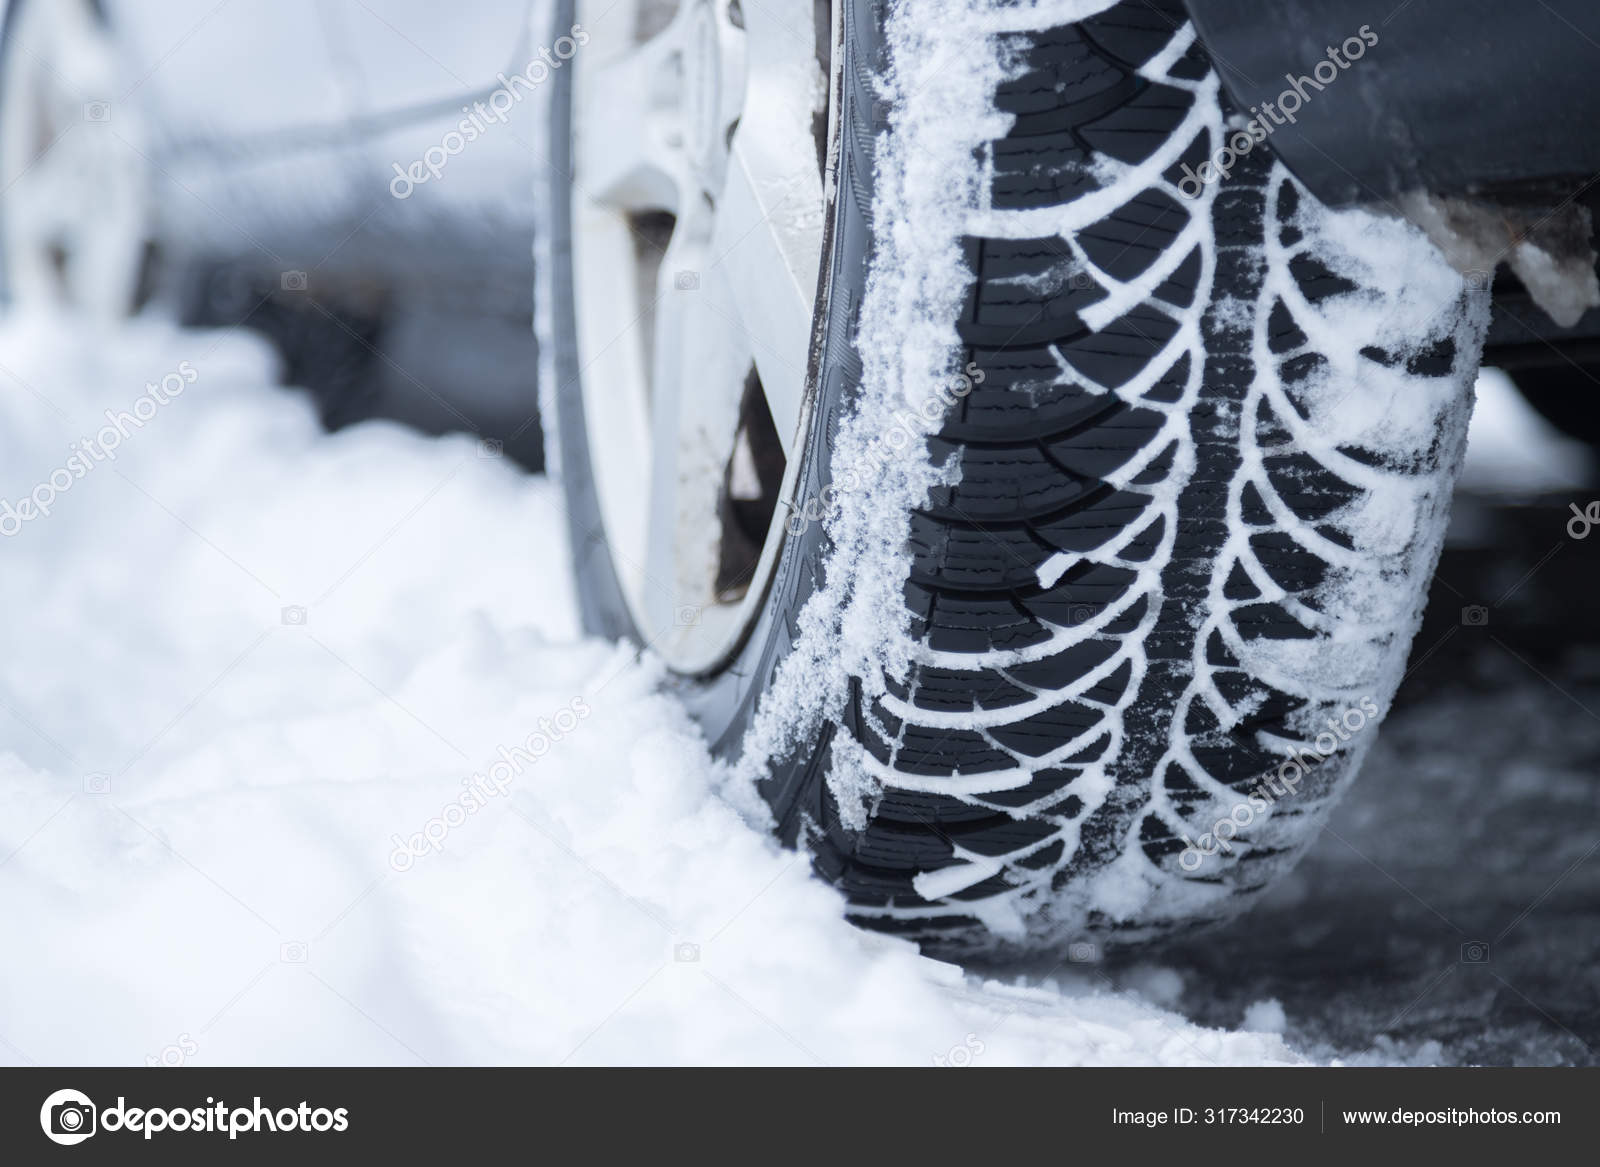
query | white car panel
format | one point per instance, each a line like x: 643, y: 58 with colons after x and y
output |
x: 415, y: 52
x: 228, y: 71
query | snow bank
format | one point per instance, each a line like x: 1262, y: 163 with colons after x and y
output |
x: 255, y: 676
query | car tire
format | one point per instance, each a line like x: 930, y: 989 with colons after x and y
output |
x: 1157, y: 568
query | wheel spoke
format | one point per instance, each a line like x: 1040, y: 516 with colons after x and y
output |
x: 769, y: 216
x: 768, y: 246
x: 629, y: 143
x: 700, y: 364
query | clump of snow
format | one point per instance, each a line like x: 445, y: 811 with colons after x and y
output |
x: 1550, y: 249
x: 1266, y: 1016
x: 252, y: 664
x: 1161, y: 986
x: 1564, y: 286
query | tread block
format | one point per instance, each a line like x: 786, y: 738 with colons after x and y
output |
x: 1132, y: 132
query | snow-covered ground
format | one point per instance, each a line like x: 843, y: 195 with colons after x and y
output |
x: 249, y: 665
x: 245, y: 657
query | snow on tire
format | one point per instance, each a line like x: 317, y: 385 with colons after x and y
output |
x: 1098, y: 665
x: 1198, y: 492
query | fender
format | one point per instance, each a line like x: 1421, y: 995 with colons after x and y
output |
x: 1483, y: 104
x: 1452, y: 97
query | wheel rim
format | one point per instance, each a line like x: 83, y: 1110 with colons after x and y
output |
x: 698, y: 210
x: 71, y: 177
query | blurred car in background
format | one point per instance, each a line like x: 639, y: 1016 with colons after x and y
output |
x: 239, y: 162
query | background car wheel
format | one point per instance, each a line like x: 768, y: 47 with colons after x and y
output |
x: 74, y: 213
x: 1194, y: 484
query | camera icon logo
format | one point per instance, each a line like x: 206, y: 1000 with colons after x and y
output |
x: 1083, y: 952
x: 295, y: 281
x: 686, y: 953
x: 293, y: 952
x: 97, y: 783
x: 97, y: 111
x: 294, y: 614
x: 1475, y: 616
x: 490, y: 448
x: 1477, y: 279
x: 686, y: 281
x: 1475, y: 952
x: 67, y: 1117
x: 687, y: 615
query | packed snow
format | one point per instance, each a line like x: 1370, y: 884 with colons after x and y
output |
x: 256, y: 675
